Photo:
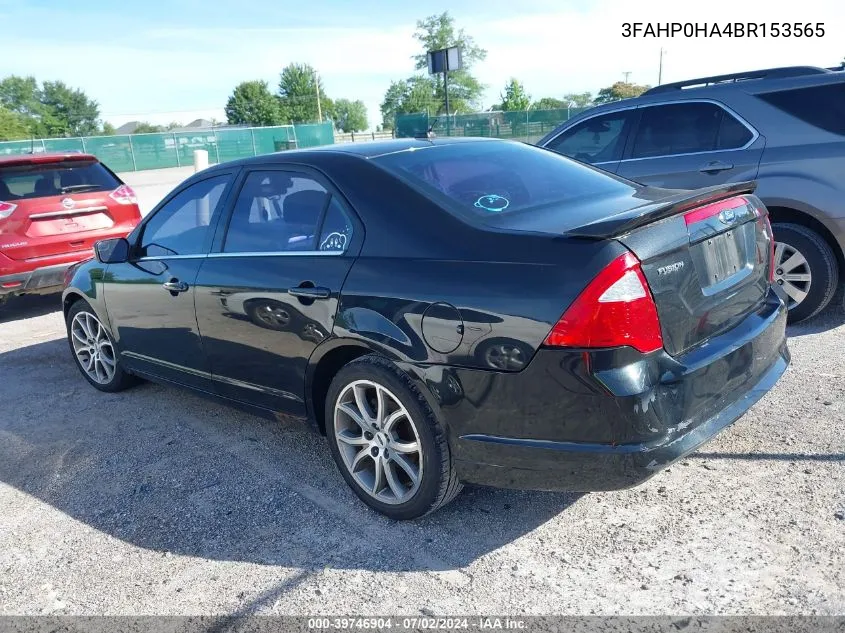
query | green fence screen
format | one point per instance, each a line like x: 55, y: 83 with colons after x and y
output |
x: 524, y: 125
x: 175, y: 149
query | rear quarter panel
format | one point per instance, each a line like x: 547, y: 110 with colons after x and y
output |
x: 449, y: 312
x: 809, y: 178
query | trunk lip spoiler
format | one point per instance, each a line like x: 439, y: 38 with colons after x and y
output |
x: 631, y: 219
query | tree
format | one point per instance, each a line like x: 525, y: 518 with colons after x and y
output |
x: 515, y: 97
x: 436, y: 32
x: 53, y: 109
x: 13, y: 126
x: 108, y: 129
x: 298, y: 85
x: 350, y: 116
x: 145, y: 127
x: 548, y: 103
x: 578, y: 99
x: 619, y: 90
x: 74, y: 113
x: 408, y: 96
x: 252, y: 103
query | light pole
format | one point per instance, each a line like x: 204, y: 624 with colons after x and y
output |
x: 627, y: 74
x: 317, y: 85
x: 660, y: 68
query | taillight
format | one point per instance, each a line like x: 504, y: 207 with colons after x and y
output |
x: 714, y: 208
x: 616, y: 308
x: 124, y: 195
x: 771, y: 235
x: 6, y: 209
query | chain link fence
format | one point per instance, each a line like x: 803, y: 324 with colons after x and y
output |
x: 522, y: 125
x: 136, y: 152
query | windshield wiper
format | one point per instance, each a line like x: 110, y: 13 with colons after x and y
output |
x: 70, y: 188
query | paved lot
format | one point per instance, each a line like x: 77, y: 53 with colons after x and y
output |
x: 154, y: 501
x: 153, y: 184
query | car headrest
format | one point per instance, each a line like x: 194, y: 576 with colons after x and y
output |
x: 5, y: 192
x: 304, y: 207
x: 44, y: 187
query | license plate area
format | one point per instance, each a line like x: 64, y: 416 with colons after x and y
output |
x: 724, y: 259
x: 42, y: 227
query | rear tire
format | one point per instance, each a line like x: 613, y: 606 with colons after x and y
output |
x: 92, y: 349
x: 811, y: 274
x: 398, y: 435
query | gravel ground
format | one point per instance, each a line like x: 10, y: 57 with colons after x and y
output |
x: 154, y: 501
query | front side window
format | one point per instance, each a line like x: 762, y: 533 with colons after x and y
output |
x: 686, y: 128
x: 180, y: 227
x: 280, y: 211
x: 596, y: 140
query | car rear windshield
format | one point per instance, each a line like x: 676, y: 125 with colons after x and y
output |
x: 20, y: 182
x: 487, y: 178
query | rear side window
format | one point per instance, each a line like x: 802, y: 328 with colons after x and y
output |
x: 820, y: 106
x: 484, y: 178
x: 54, y: 179
x: 279, y: 211
x: 596, y: 140
x: 686, y: 128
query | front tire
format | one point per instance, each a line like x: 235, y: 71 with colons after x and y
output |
x: 386, y: 441
x: 805, y: 269
x: 94, y: 351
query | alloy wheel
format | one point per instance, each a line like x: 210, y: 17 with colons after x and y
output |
x: 792, y: 273
x: 378, y: 442
x: 92, y: 347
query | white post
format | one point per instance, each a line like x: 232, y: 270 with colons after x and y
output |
x: 176, y: 148
x: 200, y: 159
x: 203, y: 211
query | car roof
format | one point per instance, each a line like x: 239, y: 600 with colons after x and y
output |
x: 8, y: 160
x: 366, y: 150
x: 718, y: 88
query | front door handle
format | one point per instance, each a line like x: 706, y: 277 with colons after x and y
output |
x: 310, y: 292
x: 715, y: 167
x: 174, y: 286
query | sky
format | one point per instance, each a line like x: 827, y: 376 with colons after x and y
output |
x: 178, y: 60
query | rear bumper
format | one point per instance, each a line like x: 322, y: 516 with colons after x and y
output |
x: 610, y: 419
x: 44, y: 280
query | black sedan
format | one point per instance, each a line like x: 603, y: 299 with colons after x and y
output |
x: 446, y: 311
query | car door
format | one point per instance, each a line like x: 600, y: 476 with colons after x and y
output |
x: 150, y: 298
x: 690, y: 145
x: 268, y: 294
x: 598, y: 140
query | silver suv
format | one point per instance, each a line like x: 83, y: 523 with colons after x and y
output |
x: 783, y: 127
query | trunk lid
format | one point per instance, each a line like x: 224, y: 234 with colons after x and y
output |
x: 707, y: 266
x: 705, y: 254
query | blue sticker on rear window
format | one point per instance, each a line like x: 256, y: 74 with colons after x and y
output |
x: 492, y: 202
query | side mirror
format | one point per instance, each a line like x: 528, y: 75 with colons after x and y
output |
x: 113, y: 251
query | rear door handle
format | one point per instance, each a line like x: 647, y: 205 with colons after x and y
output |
x: 310, y: 292
x: 715, y: 167
x: 174, y: 286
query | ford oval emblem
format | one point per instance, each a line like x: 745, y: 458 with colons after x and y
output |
x: 67, y: 203
x: 727, y: 216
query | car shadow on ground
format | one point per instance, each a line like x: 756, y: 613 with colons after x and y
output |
x: 831, y: 317
x: 28, y: 306
x: 169, y: 471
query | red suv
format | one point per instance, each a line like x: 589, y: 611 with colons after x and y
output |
x: 53, y: 207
